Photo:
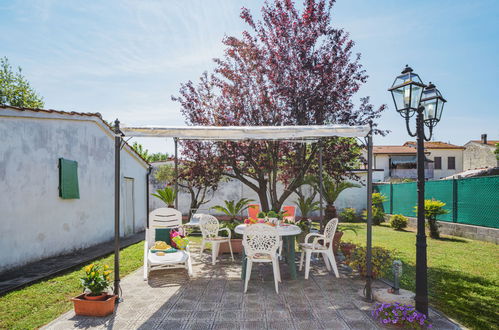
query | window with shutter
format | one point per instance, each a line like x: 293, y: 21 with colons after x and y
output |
x: 438, y: 163
x: 451, y: 163
x: 68, y: 179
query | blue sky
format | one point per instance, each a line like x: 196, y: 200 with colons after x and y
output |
x: 126, y: 58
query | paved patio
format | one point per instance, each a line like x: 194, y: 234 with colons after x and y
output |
x: 214, y: 299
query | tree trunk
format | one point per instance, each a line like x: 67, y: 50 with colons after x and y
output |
x: 330, y: 212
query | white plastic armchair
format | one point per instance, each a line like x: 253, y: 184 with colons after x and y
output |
x: 210, y: 229
x: 164, y: 218
x: 260, y: 244
x: 323, y: 244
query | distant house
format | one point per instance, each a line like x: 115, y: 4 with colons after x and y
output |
x: 447, y: 158
x: 400, y: 162
x: 57, y: 191
x: 480, y: 154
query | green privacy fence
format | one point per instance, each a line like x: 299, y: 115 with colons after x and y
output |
x: 473, y: 201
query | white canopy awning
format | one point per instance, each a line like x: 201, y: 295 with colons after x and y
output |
x: 248, y: 132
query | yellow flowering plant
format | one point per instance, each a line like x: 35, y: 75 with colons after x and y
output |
x: 97, y: 279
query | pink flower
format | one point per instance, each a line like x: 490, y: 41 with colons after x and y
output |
x: 261, y: 220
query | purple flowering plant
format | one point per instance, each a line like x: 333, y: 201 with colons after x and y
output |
x: 401, y: 315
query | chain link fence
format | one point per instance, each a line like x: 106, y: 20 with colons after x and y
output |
x: 472, y: 201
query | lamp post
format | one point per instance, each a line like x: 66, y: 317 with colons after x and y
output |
x: 412, y: 97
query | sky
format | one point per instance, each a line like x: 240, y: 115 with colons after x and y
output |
x: 125, y: 59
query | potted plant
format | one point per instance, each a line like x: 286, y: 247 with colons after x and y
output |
x: 331, y: 189
x: 95, y: 301
x: 340, y: 230
x: 399, y: 315
x: 306, y: 205
x: 232, y: 209
x: 236, y: 240
x: 167, y: 195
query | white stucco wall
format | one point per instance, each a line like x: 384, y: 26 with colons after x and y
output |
x: 445, y: 153
x: 35, y: 221
x: 235, y: 190
x: 478, y: 155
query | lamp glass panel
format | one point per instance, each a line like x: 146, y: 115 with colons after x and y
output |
x: 440, y: 109
x: 399, y: 97
x: 430, y: 109
x: 417, y: 91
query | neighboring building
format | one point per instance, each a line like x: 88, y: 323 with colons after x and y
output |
x: 57, y: 191
x: 480, y: 154
x: 447, y: 158
x: 400, y: 162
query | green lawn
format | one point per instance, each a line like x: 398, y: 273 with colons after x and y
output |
x: 463, y: 276
x: 42, y: 302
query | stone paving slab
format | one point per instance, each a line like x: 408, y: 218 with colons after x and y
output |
x: 213, y: 299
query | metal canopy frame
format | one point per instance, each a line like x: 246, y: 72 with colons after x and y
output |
x: 298, y: 134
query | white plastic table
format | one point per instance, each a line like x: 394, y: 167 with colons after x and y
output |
x: 288, y: 234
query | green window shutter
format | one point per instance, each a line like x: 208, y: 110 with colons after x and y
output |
x: 68, y: 179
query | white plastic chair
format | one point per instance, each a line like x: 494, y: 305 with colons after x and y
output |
x: 325, y: 248
x: 260, y: 244
x: 164, y: 218
x: 210, y: 228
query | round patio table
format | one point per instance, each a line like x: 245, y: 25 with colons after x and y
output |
x: 288, y: 233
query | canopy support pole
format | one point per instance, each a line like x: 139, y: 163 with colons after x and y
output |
x: 368, y: 288
x: 321, y: 209
x: 117, y: 174
x: 176, y: 172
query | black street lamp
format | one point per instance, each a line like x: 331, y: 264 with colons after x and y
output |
x: 411, y: 96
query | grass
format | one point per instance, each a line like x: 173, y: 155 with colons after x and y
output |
x: 463, y: 277
x: 42, y: 302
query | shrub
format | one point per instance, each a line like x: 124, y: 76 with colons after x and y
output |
x: 348, y: 214
x: 398, y: 222
x: 404, y: 316
x: 378, y: 215
x: 378, y: 199
x: 432, y: 209
x: 381, y: 260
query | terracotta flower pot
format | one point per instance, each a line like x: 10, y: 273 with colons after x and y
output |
x: 336, y: 241
x: 86, y: 307
x: 237, y: 246
x: 102, y: 296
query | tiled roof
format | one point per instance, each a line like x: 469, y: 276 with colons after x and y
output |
x: 434, y: 145
x: 393, y: 150
x: 489, y: 142
x: 72, y: 113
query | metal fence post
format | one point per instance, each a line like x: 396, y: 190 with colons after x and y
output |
x: 391, y: 198
x: 454, y: 200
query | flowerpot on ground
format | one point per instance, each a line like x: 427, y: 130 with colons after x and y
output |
x: 100, y: 308
x: 237, y: 246
x: 337, y: 241
x: 102, y: 296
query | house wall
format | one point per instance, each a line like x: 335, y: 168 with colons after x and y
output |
x: 445, y: 153
x: 235, y: 190
x: 35, y: 222
x: 478, y: 155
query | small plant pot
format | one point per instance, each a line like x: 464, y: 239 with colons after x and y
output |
x: 337, y: 241
x: 102, y: 296
x: 237, y: 246
x: 100, y: 308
